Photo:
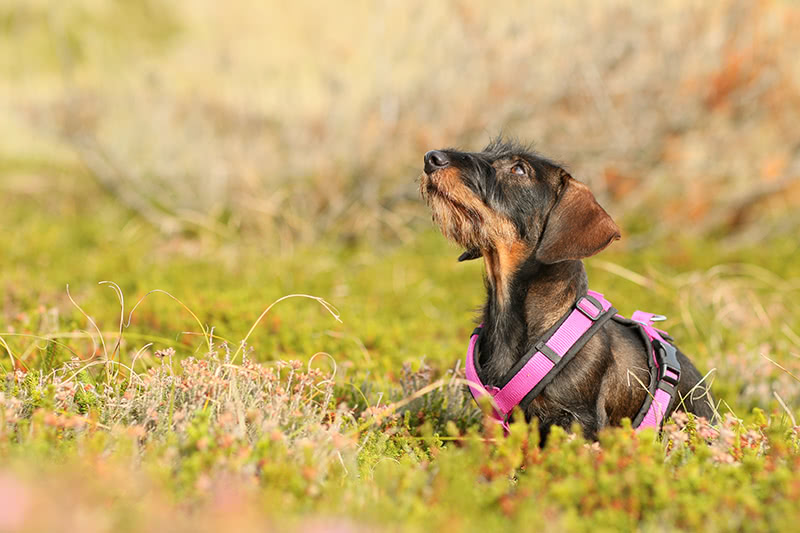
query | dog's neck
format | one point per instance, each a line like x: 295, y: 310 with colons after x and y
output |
x: 522, y: 304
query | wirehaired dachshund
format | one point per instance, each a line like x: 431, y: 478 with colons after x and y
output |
x: 532, y: 223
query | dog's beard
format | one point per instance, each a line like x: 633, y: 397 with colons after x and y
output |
x: 462, y: 217
x: 457, y: 222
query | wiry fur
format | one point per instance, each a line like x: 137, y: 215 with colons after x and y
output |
x: 532, y: 228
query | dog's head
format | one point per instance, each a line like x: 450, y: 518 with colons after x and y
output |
x: 506, y: 197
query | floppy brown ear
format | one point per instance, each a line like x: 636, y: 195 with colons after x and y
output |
x: 577, y: 227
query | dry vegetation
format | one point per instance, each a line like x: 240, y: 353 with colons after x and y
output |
x: 300, y: 120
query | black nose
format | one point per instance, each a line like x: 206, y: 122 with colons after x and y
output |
x: 434, y: 160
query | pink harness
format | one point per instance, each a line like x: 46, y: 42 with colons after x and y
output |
x: 526, y: 380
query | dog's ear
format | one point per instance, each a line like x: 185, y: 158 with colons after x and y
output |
x: 472, y: 253
x: 577, y: 226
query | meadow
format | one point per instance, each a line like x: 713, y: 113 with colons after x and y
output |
x: 224, y: 305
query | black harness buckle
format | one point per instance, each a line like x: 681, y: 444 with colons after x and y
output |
x: 669, y: 369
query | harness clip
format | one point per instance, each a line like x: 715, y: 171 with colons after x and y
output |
x: 668, y: 365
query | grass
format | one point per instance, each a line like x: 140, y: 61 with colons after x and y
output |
x: 363, y: 423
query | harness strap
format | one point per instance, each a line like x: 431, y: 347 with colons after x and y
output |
x: 665, y: 366
x: 526, y: 380
x: 539, y: 366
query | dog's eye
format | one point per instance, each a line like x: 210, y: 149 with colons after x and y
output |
x: 519, y: 170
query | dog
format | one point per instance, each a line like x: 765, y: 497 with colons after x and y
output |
x: 533, y: 223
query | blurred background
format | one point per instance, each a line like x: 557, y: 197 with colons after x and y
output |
x: 277, y: 123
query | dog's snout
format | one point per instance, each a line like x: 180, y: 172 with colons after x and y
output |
x: 434, y: 160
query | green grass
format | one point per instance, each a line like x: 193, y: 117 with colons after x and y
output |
x: 347, y: 439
